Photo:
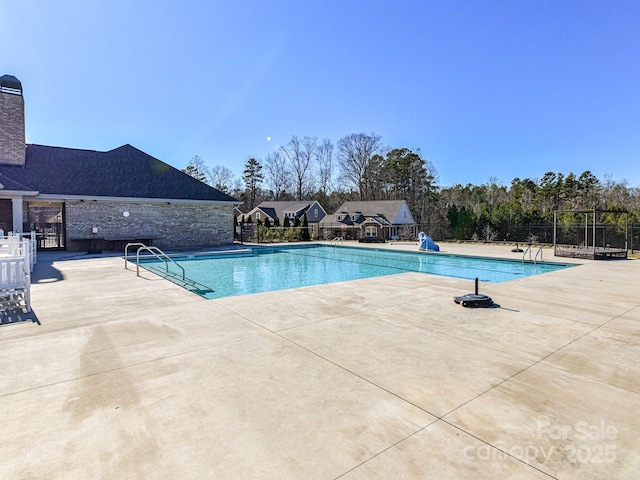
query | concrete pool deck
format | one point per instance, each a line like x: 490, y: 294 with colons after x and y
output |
x: 118, y: 376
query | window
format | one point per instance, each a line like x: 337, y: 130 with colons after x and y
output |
x: 315, y: 213
x: 371, y: 231
x: 257, y: 215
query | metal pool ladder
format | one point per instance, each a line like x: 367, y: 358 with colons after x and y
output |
x: 535, y: 258
x: 167, y: 260
x: 156, y: 252
x: 337, y: 240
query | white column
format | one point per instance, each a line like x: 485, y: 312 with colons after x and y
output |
x: 16, y: 204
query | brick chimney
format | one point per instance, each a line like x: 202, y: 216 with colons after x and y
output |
x: 12, y: 138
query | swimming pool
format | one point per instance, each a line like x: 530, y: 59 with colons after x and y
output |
x: 265, y: 269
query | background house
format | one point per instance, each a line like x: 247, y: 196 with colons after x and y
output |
x: 83, y: 199
x: 370, y: 221
x: 293, y: 209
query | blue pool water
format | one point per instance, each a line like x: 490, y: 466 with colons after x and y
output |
x: 268, y: 269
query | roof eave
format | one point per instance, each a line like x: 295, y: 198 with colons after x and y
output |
x: 133, y: 199
x: 23, y: 193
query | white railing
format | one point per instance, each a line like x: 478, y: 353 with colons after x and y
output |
x: 21, y: 245
x: 337, y: 240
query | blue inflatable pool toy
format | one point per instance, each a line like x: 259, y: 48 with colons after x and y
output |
x: 426, y: 243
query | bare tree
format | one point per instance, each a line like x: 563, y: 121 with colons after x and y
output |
x: 278, y: 174
x: 309, y: 155
x: 299, y: 155
x: 354, y: 156
x: 325, y: 166
x: 221, y: 177
x: 496, y: 192
x: 236, y: 189
x: 615, y: 192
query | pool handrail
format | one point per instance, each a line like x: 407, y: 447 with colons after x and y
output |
x: 126, y: 251
x: 156, y: 252
x: 535, y: 258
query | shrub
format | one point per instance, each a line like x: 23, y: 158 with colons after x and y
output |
x: 489, y: 233
x: 292, y: 234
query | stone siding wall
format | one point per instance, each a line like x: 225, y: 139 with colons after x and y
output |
x: 12, y: 139
x: 175, y: 225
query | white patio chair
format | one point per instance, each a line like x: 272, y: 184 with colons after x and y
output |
x: 15, y: 283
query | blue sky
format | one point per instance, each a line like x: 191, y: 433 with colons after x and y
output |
x: 485, y: 89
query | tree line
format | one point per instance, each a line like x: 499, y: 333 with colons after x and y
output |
x: 360, y: 167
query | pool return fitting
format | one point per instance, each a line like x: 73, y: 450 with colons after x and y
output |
x: 475, y: 300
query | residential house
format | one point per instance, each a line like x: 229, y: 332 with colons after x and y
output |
x: 79, y: 199
x: 293, y: 209
x: 377, y: 220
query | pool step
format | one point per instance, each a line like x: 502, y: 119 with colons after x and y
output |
x: 184, y: 282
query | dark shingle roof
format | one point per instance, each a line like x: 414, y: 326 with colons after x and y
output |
x: 370, y: 208
x: 122, y: 172
x: 269, y: 211
x: 8, y: 183
x: 381, y: 210
x: 280, y: 207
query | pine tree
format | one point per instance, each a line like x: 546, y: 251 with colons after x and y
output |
x: 197, y: 169
x: 252, y: 177
x: 305, y: 229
